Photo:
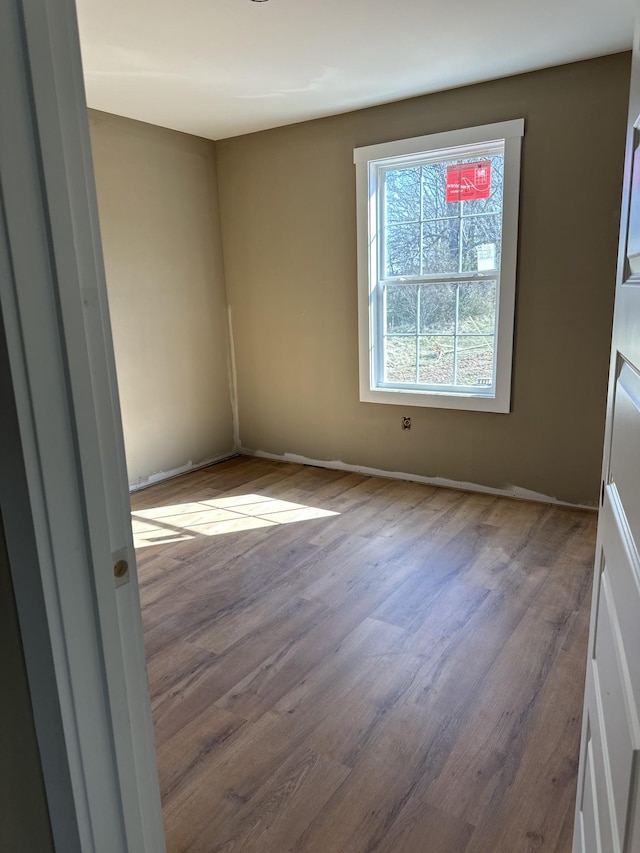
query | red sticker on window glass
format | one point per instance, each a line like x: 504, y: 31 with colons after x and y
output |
x: 469, y: 181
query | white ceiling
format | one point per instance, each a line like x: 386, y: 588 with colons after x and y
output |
x: 218, y: 68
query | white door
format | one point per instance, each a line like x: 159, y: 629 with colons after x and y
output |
x: 63, y: 489
x: 608, y: 797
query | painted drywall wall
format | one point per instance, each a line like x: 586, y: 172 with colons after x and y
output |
x: 158, y: 207
x: 287, y: 201
x: 24, y: 824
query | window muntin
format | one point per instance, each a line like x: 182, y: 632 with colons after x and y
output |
x: 439, y: 312
x: 439, y: 334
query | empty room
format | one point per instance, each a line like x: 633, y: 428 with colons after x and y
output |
x: 356, y: 461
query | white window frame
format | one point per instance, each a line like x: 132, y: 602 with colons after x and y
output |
x: 369, y: 162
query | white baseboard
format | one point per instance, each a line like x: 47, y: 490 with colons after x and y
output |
x: 510, y: 492
x: 161, y: 476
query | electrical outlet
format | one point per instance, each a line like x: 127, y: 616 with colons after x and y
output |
x: 406, y: 423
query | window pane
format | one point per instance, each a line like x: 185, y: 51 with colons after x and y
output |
x: 402, y: 195
x: 493, y: 204
x: 481, y: 241
x: 440, y: 246
x: 477, y: 307
x: 475, y: 361
x: 401, y: 313
x: 436, y: 360
x: 400, y: 360
x: 437, y: 308
x: 434, y: 192
x: 403, y: 250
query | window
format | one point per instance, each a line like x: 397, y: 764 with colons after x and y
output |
x: 437, y: 234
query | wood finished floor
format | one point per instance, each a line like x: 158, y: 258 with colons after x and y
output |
x: 404, y: 676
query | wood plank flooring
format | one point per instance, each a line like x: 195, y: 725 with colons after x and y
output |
x: 347, y: 664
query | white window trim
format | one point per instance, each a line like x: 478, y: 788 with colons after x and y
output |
x: 366, y: 160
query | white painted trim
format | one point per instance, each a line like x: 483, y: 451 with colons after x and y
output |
x: 163, y: 476
x: 368, y: 160
x: 30, y: 557
x: 63, y: 491
x: 515, y: 492
x: 446, y: 139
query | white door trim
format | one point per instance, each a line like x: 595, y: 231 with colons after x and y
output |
x: 63, y: 490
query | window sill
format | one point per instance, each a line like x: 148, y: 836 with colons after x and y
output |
x: 435, y: 400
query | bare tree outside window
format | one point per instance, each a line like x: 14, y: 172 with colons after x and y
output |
x: 439, y: 332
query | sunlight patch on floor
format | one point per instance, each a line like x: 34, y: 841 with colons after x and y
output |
x: 214, y: 516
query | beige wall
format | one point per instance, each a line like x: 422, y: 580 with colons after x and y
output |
x: 287, y: 198
x: 157, y: 199
x: 24, y: 819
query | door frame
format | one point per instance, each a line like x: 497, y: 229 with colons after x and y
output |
x: 63, y: 489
